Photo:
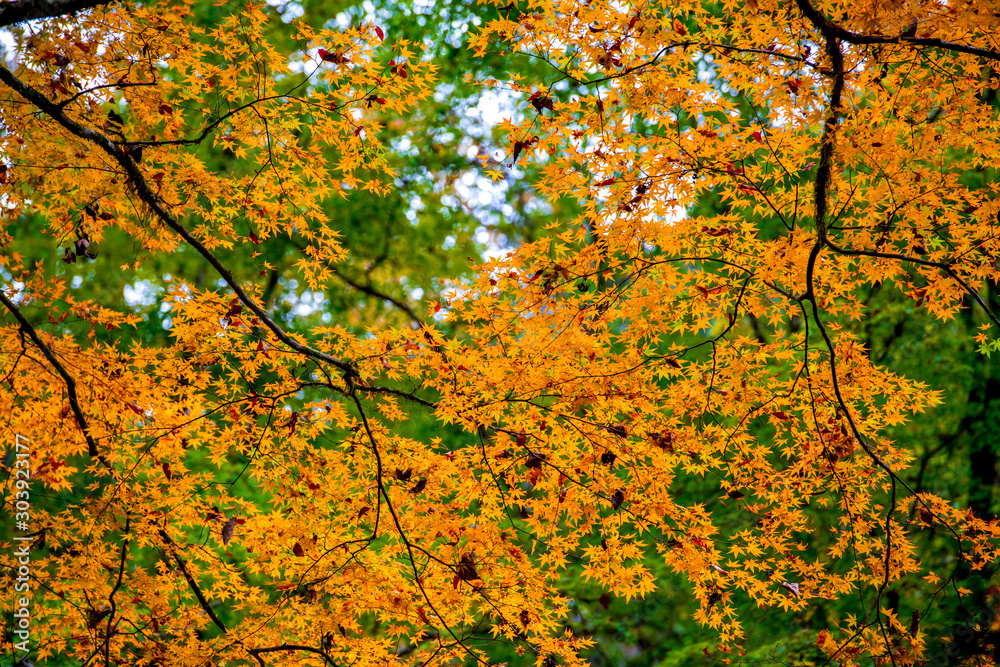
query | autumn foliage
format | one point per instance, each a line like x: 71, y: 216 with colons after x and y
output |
x: 653, y: 385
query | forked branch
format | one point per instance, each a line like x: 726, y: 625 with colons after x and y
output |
x: 148, y: 197
x: 74, y: 400
x: 833, y: 31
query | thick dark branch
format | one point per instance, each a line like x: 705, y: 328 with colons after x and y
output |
x: 831, y: 30
x: 255, y: 652
x: 111, y: 597
x: 26, y: 10
x: 192, y: 583
x: 156, y: 205
x: 920, y: 262
x: 74, y: 401
x: 821, y: 193
x: 374, y: 389
x: 827, y: 142
x: 148, y: 197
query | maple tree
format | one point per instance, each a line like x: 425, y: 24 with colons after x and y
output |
x: 668, y: 379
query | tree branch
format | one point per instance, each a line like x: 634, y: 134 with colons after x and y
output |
x: 255, y: 652
x: 834, y: 31
x: 192, y: 583
x: 74, y: 401
x: 827, y: 142
x: 27, y: 10
x: 111, y: 597
x: 821, y: 194
x: 399, y: 526
x: 920, y: 262
x: 371, y: 291
x: 146, y: 194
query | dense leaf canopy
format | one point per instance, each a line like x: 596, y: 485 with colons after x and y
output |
x: 542, y: 332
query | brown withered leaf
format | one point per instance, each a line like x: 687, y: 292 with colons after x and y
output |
x: 617, y: 429
x: 617, y: 499
x: 663, y: 440
x: 518, y: 147
x: 534, y: 459
x: 543, y: 102
x: 228, y: 530
x: 467, y: 568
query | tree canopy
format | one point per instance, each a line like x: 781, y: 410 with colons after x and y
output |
x: 517, y: 333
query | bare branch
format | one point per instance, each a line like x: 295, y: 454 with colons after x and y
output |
x: 27, y: 10
x: 371, y: 291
